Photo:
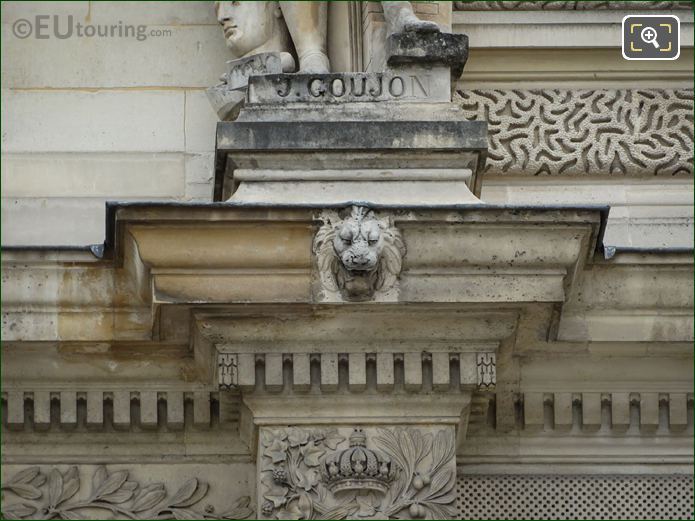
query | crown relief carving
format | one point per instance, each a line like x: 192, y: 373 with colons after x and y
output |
x: 333, y: 474
x: 359, y: 255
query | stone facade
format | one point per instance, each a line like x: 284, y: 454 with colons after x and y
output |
x: 368, y: 289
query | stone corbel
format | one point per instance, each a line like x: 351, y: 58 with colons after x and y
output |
x: 412, y: 388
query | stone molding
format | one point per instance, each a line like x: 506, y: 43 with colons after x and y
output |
x: 49, y: 494
x: 552, y: 5
x: 416, y: 369
x: 39, y: 417
x: 585, y: 132
x: 590, y: 411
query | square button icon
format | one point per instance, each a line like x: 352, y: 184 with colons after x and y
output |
x: 651, y: 37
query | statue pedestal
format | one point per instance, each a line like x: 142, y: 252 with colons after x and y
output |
x: 387, y: 153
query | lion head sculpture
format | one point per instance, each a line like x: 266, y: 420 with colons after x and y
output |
x: 359, y: 254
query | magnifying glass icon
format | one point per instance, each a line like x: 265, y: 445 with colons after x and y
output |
x: 648, y: 35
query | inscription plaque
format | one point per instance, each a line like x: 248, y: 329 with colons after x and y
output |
x: 417, y: 86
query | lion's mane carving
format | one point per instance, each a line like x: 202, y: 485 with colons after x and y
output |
x: 358, y: 255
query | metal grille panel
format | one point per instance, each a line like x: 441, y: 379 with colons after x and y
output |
x: 575, y: 497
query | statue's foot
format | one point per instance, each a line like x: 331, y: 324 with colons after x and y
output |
x: 420, y: 26
x: 314, y: 63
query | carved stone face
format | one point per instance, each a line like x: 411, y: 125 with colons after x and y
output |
x: 358, y: 242
x: 358, y: 255
x: 248, y: 25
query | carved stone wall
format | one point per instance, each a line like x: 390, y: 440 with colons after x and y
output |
x: 575, y: 132
x: 567, y: 5
x: 98, y: 492
x: 387, y: 473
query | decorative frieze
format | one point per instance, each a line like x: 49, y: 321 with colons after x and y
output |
x: 412, y: 371
x: 38, y: 493
x: 357, y: 473
x: 614, y: 412
x: 579, y: 5
x: 145, y: 408
x: 585, y: 132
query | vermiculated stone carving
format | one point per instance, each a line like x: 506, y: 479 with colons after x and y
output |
x: 52, y: 496
x: 395, y: 473
x: 358, y: 255
x: 525, y: 5
x: 629, y: 132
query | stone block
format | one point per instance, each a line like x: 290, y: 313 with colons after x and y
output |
x: 12, y: 11
x: 15, y: 409
x: 169, y: 56
x: 649, y: 412
x: 643, y: 213
x: 563, y: 411
x: 68, y: 408
x: 301, y: 372
x: 175, y: 413
x: 620, y: 412
x: 199, y: 192
x: 534, y: 414
x: 415, y: 47
x: 384, y: 371
x: 247, y: 371
x: 329, y: 371
x: 273, y: 372
x: 412, y: 367
x: 95, y: 409
x: 591, y: 412
x: 172, y: 13
x: 200, y: 123
x: 148, y: 409
x: 111, y: 176
x: 53, y: 221
x: 455, y: 138
x: 440, y: 371
x: 200, y: 173
x: 468, y: 367
x: 42, y: 410
x: 121, y: 409
x: 201, y: 409
x: 677, y: 411
x: 357, y: 372
x: 102, y: 121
